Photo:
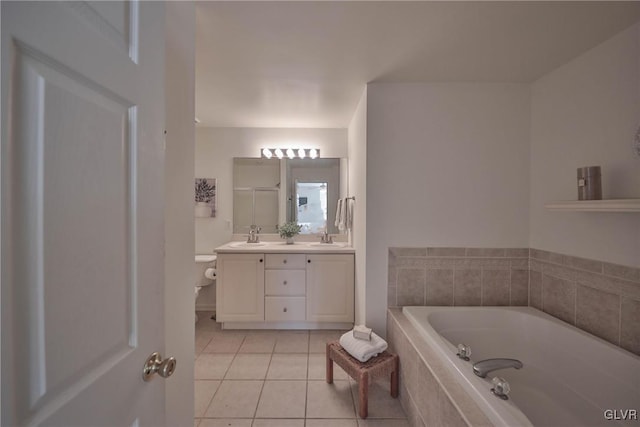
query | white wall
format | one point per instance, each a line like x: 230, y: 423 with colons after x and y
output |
x: 357, y: 187
x: 585, y: 113
x: 214, y: 153
x: 447, y: 165
x: 179, y: 195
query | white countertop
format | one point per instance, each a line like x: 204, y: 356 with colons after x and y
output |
x: 238, y: 247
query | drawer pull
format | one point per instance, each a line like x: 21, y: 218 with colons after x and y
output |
x: 284, y: 261
x: 284, y: 283
x: 284, y: 310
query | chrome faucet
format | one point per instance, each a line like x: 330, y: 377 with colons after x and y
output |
x: 254, y: 234
x: 326, y: 237
x: 483, y: 367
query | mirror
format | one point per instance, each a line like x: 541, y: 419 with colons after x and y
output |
x: 268, y: 192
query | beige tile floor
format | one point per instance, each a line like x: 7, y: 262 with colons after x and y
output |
x: 277, y: 379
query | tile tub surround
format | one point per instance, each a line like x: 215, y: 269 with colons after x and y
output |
x: 598, y: 297
x: 429, y: 393
x: 458, y: 276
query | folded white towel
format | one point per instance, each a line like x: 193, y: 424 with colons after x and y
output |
x: 360, y: 349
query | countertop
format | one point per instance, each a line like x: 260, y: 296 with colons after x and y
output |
x: 240, y: 247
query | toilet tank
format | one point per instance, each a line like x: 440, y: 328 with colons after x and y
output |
x: 202, y: 263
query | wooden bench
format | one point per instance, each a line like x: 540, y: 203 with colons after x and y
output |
x: 382, y: 365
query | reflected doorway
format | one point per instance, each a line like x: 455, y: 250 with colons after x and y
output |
x: 311, y: 206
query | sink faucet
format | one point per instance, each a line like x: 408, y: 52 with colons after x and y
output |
x: 254, y: 234
x: 483, y: 367
x: 326, y: 237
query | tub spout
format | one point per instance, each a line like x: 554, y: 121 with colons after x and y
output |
x: 483, y: 367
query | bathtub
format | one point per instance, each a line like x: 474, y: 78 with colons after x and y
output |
x: 569, y: 377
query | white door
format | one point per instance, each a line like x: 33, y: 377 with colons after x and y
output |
x: 82, y: 212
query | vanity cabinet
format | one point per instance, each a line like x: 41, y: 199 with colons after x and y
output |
x: 330, y: 288
x: 240, y: 290
x: 285, y: 290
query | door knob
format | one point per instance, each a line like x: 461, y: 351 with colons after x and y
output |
x: 155, y: 364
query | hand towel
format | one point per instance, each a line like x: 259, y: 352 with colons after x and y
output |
x: 360, y: 349
x: 339, y: 218
x: 348, y: 214
x: 341, y: 214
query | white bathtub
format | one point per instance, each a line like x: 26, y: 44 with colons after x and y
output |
x: 570, y: 378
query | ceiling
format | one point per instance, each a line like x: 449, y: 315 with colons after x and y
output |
x: 305, y: 64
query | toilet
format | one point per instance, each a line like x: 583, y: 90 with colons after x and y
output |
x: 205, y: 273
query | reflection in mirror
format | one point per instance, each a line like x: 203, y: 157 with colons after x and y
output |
x: 268, y: 192
x: 311, y: 200
x: 256, y: 194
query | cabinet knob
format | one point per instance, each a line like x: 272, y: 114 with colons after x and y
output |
x: 260, y: 259
x: 284, y: 309
x: 284, y: 283
x: 284, y: 261
x: 309, y: 261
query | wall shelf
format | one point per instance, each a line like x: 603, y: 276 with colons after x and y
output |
x: 611, y: 205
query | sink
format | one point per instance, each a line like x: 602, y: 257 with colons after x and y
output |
x: 247, y: 245
x: 328, y: 245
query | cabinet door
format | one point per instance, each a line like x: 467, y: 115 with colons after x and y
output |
x: 240, y: 287
x: 330, y: 283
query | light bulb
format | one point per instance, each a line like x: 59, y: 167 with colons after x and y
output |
x: 290, y: 153
x: 267, y: 153
x: 279, y: 153
x: 301, y: 153
x: 313, y: 153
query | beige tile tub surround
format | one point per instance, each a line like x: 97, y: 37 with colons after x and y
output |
x: 429, y: 393
x: 458, y: 276
x: 598, y: 297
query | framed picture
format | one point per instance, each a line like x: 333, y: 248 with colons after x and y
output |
x: 205, y: 192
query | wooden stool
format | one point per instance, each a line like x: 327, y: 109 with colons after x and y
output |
x: 382, y: 365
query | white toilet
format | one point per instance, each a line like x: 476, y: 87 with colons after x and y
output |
x: 205, y: 273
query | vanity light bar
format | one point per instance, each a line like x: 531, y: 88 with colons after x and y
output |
x: 292, y: 153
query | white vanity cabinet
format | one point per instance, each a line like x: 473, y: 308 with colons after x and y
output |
x: 285, y: 288
x: 297, y: 290
x: 330, y: 288
x: 240, y: 288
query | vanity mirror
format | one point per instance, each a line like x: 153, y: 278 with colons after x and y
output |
x: 268, y: 192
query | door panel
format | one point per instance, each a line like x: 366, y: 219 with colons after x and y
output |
x: 330, y: 288
x: 82, y: 212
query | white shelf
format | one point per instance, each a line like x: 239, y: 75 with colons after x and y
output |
x: 611, y: 205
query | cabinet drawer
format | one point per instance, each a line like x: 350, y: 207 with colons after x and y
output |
x: 284, y: 309
x: 288, y: 261
x: 285, y: 282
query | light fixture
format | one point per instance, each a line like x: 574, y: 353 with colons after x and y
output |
x: 290, y: 152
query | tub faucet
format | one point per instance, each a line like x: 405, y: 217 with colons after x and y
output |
x: 254, y: 234
x: 483, y: 367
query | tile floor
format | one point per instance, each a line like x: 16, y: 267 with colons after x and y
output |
x: 277, y: 379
